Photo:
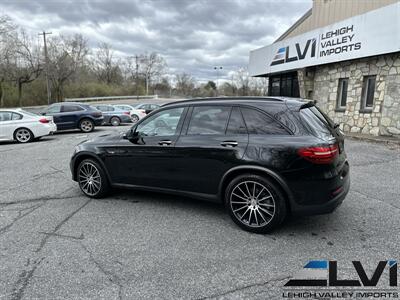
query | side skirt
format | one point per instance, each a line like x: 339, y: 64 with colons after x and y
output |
x: 200, y: 196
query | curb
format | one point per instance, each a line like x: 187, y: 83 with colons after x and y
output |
x: 374, y: 139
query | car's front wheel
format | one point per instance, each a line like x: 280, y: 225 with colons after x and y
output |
x: 92, y: 179
x: 86, y: 125
x: 23, y: 135
x: 255, y: 203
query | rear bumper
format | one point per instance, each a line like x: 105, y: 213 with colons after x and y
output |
x: 322, y: 208
x: 322, y: 196
x: 125, y: 119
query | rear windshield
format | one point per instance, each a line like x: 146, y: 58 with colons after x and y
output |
x: 29, y: 113
x: 319, y: 124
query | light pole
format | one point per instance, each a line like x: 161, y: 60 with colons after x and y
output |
x: 217, y: 68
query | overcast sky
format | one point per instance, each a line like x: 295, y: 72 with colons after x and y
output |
x: 193, y: 35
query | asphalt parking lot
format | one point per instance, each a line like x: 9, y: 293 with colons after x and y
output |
x: 55, y: 243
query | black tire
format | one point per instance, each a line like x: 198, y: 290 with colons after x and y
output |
x: 134, y: 118
x: 23, y: 135
x: 262, y: 212
x: 99, y: 189
x: 86, y: 125
x: 115, y: 121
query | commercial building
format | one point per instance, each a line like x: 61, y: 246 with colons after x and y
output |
x: 345, y: 54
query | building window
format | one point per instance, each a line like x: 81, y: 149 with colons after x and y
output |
x: 368, y: 91
x: 342, y: 94
x: 284, y: 85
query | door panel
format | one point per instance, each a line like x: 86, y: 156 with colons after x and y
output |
x: 151, y: 160
x: 204, y: 158
x: 7, y: 126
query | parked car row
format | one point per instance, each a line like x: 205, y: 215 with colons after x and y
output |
x: 23, y: 126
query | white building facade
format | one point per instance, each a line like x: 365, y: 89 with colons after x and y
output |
x: 346, y: 56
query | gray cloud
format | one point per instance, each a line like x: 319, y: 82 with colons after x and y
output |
x: 193, y: 36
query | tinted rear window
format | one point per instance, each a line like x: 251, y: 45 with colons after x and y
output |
x: 259, y: 123
x: 209, y: 120
x: 317, y: 122
x: 71, y: 108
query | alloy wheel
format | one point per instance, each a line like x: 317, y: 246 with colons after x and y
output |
x: 252, y: 203
x: 89, y: 179
x: 86, y: 126
x: 23, y: 135
x: 135, y: 118
x: 115, y: 121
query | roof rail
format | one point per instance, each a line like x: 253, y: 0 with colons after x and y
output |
x: 238, y: 98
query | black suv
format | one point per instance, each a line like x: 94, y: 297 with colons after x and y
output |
x: 262, y: 157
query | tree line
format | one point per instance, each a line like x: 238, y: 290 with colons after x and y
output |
x: 73, y: 69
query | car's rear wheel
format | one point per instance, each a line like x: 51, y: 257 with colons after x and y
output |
x: 255, y: 203
x: 135, y: 118
x: 92, y: 179
x: 23, y: 135
x: 86, y: 125
x: 115, y: 121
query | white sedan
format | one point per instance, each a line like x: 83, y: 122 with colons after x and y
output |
x: 23, y: 126
x: 135, y: 112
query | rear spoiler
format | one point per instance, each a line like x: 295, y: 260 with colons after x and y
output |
x: 308, y: 104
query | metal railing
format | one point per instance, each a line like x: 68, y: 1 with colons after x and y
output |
x: 109, y: 98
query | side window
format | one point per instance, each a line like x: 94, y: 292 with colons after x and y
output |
x: 102, y: 108
x: 208, y: 120
x: 163, y: 123
x: 71, y: 108
x: 259, y: 123
x: 5, y: 116
x: 236, y: 123
x: 54, y: 109
x: 16, y: 116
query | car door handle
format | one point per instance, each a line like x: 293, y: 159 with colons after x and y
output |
x: 165, y: 143
x: 229, y: 143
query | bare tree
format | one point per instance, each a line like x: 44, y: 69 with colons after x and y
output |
x: 66, y: 56
x: 242, y: 79
x: 185, y: 84
x: 24, y: 66
x: 6, y: 25
x: 106, y: 65
x: 131, y: 70
x: 153, y: 66
x: 6, y: 30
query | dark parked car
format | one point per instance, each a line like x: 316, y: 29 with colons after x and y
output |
x: 71, y: 115
x: 147, y: 107
x: 262, y: 157
x: 113, y: 115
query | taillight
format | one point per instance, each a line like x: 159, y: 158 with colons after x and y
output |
x: 127, y: 113
x: 320, y: 154
x: 43, y: 120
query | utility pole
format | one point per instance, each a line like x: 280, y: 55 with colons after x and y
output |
x: 137, y: 77
x: 217, y: 69
x: 46, y: 58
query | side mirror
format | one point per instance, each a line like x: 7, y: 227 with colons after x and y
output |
x: 131, y: 135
